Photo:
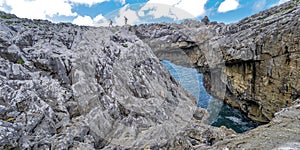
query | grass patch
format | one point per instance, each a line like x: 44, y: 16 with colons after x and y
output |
x: 9, y: 22
x: 20, y: 61
x: 4, y: 17
x: 7, y: 16
x: 114, y: 31
x: 32, y: 26
x: 291, y: 7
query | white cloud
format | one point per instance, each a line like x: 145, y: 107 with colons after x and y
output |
x: 93, y: 2
x: 2, y: 8
x: 259, y: 5
x: 228, y: 5
x: 130, y: 14
x: 194, y: 7
x: 162, y: 10
x: 123, y: 2
x: 104, y: 22
x: 87, y: 2
x: 279, y: 2
x: 87, y: 20
x: 98, y: 18
x: 38, y: 9
x: 83, y: 20
x: 282, y: 1
x: 151, y: 11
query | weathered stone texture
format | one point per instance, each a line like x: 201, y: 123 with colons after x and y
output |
x: 252, y: 65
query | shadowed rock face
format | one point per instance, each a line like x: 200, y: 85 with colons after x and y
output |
x: 252, y: 65
x: 69, y: 87
x: 281, y: 133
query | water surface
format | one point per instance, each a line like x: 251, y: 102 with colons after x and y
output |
x: 220, y: 114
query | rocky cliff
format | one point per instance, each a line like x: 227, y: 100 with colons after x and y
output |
x: 281, y: 133
x: 251, y: 65
x: 70, y: 87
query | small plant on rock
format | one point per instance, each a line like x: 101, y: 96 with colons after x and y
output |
x: 9, y: 22
x: 20, y: 61
x: 3, y: 17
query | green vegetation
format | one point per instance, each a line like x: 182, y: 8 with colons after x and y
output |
x: 20, y: 61
x: 291, y: 7
x: 4, y: 17
x: 113, y: 30
x: 9, y: 22
x: 7, y: 16
x: 297, y: 1
x: 32, y: 26
x: 288, y: 8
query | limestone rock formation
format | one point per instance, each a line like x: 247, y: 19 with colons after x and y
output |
x: 281, y: 133
x: 251, y: 65
x: 69, y: 87
x: 260, y: 55
x: 64, y: 86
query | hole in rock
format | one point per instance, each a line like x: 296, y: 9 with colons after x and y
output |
x: 220, y: 113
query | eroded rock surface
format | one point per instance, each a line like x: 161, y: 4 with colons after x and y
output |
x: 281, y: 133
x: 69, y: 87
x: 252, y: 65
x: 261, y: 55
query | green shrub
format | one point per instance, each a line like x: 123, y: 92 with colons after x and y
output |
x: 9, y: 22
x: 114, y: 31
x: 20, y: 61
x: 3, y: 16
x: 7, y: 16
x: 290, y: 7
x: 32, y: 26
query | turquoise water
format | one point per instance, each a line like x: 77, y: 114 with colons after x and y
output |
x: 220, y: 114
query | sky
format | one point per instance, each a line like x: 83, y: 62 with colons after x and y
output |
x: 91, y: 12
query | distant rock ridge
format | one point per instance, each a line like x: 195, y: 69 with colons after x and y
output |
x: 64, y: 86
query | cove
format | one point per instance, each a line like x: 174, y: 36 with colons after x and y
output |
x: 220, y: 113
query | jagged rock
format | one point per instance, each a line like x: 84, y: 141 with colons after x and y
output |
x: 261, y: 61
x: 205, y: 20
x: 72, y: 87
x: 251, y: 65
x: 281, y: 133
x: 69, y: 87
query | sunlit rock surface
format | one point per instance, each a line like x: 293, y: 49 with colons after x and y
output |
x: 252, y: 65
x: 68, y: 87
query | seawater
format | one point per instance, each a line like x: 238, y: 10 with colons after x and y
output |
x: 220, y: 113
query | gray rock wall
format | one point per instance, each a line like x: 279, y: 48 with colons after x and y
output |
x: 69, y: 87
x: 251, y: 65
